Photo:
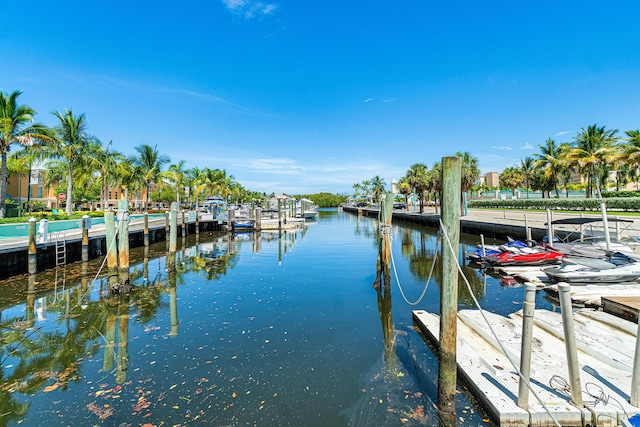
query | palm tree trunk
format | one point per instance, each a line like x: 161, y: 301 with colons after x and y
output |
x: 70, y: 190
x: 146, y: 207
x: 3, y: 184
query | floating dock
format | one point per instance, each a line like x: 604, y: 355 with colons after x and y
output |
x: 605, y: 344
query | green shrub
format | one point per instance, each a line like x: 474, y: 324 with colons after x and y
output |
x: 631, y: 204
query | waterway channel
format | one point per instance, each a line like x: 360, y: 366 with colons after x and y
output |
x: 260, y: 329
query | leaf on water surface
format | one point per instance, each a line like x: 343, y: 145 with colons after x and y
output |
x: 50, y: 388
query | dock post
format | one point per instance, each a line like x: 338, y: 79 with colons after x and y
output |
x: 231, y: 220
x: 183, y: 226
x: 123, y: 241
x: 582, y: 229
x: 617, y: 227
x: 33, y: 256
x: 258, y: 219
x: 85, y: 237
x: 484, y: 251
x: 605, y: 225
x: 549, y: 228
x: 146, y: 229
x: 528, y: 311
x: 450, y: 214
x: 279, y: 215
x: 197, y: 222
x: 122, y: 357
x: 527, y: 230
x: 570, y: 343
x: 635, y: 376
x: 167, y: 223
x: 173, y: 232
x: 112, y: 248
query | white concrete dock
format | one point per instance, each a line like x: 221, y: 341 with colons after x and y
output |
x: 605, y: 353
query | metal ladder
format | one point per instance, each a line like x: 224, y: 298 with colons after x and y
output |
x: 61, y: 249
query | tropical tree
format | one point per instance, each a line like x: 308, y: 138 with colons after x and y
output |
x: 16, y: 127
x: 377, y: 188
x: 527, y: 165
x: 176, y: 175
x: 550, y: 162
x: 434, y: 182
x: 469, y: 175
x: 629, y: 152
x: 68, y: 148
x: 418, y: 178
x: 404, y: 188
x: 469, y: 171
x: 593, y: 148
x: 149, y: 163
x: 512, y: 178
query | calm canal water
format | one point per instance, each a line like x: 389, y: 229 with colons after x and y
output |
x: 261, y: 331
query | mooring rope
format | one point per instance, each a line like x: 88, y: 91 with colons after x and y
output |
x: 426, y: 285
x: 504, y: 351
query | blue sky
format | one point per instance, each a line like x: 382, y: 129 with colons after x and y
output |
x: 302, y: 97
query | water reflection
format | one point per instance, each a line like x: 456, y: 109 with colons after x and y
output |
x: 230, y: 329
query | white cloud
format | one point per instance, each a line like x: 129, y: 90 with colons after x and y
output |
x: 503, y: 147
x: 527, y: 146
x: 368, y: 100
x: 564, y: 132
x: 250, y: 8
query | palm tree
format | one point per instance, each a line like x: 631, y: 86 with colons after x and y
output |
x: 15, y: 129
x: 593, y: 149
x: 418, y: 178
x: 469, y: 170
x: 150, y: 162
x: 404, y: 188
x: 177, y: 177
x: 377, y: 188
x: 550, y: 162
x: 469, y: 175
x: 630, y: 151
x: 512, y: 177
x: 70, y: 145
x: 527, y: 166
x: 107, y: 163
x: 434, y: 182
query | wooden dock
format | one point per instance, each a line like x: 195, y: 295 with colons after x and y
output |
x: 606, y: 346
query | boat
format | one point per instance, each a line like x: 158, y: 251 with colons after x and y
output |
x: 574, y: 270
x: 591, y: 242
x: 539, y: 255
x: 306, y: 209
x: 479, y: 254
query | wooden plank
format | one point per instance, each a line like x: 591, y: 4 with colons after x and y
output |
x: 625, y: 307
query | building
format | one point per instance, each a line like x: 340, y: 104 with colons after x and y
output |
x: 491, y: 179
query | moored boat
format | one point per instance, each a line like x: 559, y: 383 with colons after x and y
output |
x: 619, y: 268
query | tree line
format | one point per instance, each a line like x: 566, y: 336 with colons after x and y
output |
x: 88, y: 168
x: 424, y: 182
x: 594, y: 153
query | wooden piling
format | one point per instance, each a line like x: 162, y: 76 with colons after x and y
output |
x: 450, y: 214
x: 122, y: 358
x: 112, y: 248
x: 173, y: 239
x: 197, y: 221
x: 279, y: 214
x: 231, y: 220
x: 123, y: 241
x: 32, y: 257
x: 258, y: 219
x: 85, y: 237
x: 183, y: 225
x: 146, y: 229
